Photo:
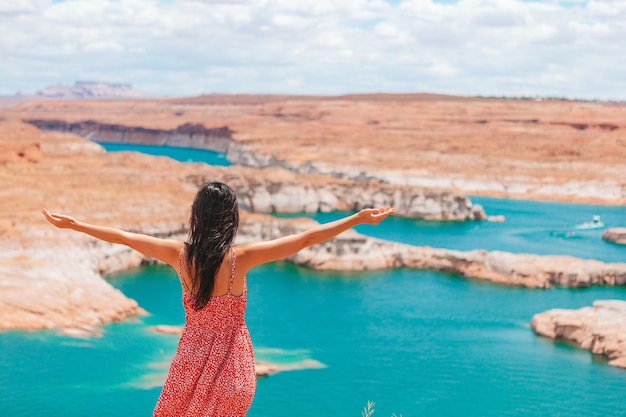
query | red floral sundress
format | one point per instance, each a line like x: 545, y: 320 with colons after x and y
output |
x: 212, y: 373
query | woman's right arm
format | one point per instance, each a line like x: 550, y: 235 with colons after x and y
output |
x: 250, y: 255
x: 165, y: 250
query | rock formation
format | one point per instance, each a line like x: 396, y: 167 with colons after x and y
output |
x: 600, y: 329
x: 353, y: 251
x: 276, y: 190
x: 188, y: 135
x: 558, y: 150
x: 60, y: 286
x: 615, y: 235
x: 281, y: 191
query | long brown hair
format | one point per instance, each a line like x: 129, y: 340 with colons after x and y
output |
x: 212, y: 228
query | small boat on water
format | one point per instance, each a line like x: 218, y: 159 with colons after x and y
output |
x: 595, y: 223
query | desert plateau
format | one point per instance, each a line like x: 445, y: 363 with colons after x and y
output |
x: 424, y: 153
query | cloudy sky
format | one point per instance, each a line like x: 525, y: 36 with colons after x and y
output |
x: 574, y: 49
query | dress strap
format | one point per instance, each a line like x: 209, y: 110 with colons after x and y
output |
x: 232, y: 271
x: 180, y: 266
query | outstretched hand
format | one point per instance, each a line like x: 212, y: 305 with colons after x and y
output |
x: 375, y: 215
x: 58, y: 220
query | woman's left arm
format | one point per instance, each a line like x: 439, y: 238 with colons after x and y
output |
x: 257, y: 253
x: 165, y: 250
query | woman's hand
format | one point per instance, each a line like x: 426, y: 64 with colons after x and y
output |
x: 59, y: 220
x: 375, y: 216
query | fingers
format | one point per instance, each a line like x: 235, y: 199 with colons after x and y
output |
x: 378, y: 215
x: 46, y: 214
x: 385, y: 211
x: 57, y: 220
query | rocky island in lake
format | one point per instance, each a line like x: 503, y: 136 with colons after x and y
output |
x: 600, y: 329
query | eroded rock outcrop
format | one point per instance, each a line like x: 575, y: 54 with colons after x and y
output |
x: 276, y: 190
x: 91, y: 89
x: 188, y: 135
x: 353, y: 251
x: 600, y: 329
x: 508, y: 148
x: 615, y: 235
x: 60, y: 287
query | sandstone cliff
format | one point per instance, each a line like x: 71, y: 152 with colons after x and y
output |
x: 552, y: 149
x: 600, y: 329
x: 188, y: 135
x: 276, y: 190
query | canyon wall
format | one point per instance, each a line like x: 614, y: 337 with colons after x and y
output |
x: 556, y: 150
x: 188, y: 135
x: 53, y: 278
x: 275, y: 190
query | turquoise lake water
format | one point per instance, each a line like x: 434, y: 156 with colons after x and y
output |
x: 179, y: 154
x: 417, y: 343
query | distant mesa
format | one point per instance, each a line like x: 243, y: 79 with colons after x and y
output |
x: 91, y: 89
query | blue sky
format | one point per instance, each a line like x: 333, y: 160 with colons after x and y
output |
x: 574, y: 49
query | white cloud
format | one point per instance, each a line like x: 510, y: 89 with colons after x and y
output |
x: 183, y: 47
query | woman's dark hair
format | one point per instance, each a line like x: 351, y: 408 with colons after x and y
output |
x: 212, y: 228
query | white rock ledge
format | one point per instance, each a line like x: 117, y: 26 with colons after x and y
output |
x: 600, y: 329
x: 353, y: 251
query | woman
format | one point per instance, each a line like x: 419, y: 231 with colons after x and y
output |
x: 212, y: 373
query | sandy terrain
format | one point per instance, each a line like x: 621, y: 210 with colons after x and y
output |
x: 548, y: 150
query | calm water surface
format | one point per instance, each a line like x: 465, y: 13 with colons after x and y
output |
x: 179, y: 154
x: 417, y: 343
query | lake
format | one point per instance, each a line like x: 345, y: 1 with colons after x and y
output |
x: 417, y: 343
